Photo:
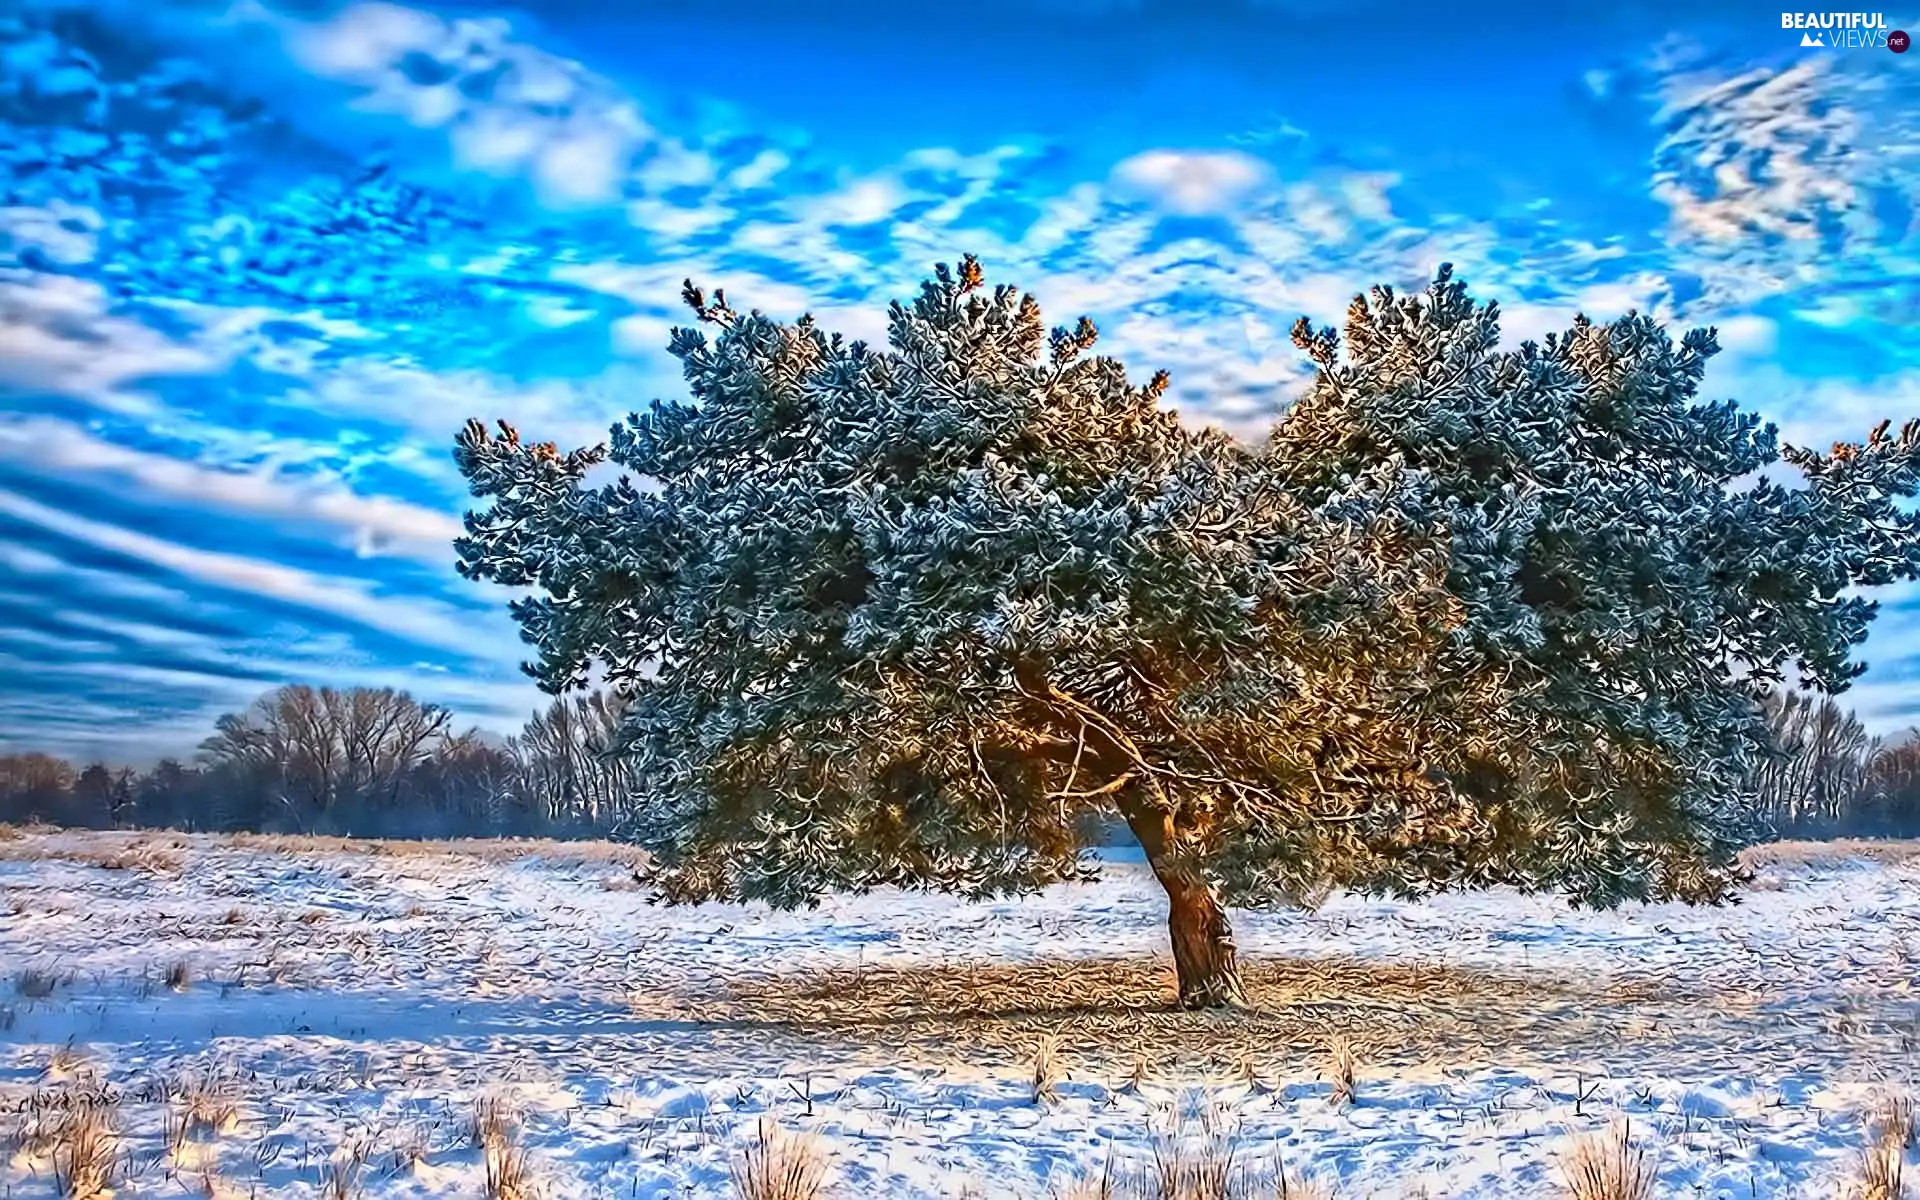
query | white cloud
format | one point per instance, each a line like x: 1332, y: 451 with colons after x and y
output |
x: 42, y: 445
x: 510, y: 107
x: 56, y: 335
x: 761, y: 171
x: 66, y: 233
x: 424, y: 621
x: 1192, y: 182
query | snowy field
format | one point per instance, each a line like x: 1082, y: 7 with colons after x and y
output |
x: 262, y: 1017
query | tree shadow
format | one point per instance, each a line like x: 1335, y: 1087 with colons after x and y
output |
x: 1121, y: 1010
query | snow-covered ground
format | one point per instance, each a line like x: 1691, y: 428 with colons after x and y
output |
x: 366, y: 996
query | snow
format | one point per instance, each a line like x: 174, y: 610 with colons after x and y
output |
x: 369, y: 995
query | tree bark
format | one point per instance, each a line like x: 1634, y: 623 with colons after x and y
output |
x: 1205, y: 962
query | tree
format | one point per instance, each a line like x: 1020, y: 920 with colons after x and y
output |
x: 1633, y: 578
x: 903, y: 617
x: 1891, y: 801
x: 1820, y: 767
x: 314, y: 748
x: 564, y: 760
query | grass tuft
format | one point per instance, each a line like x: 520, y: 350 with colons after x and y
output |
x: 85, y: 1138
x: 342, y: 1177
x: 1341, y: 1072
x: 1895, y: 1120
x: 1607, y: 1165
x: 1881, y: 1174
x: 495, y: 1130
x: 34, y: 984
x: 778, y: 1165
x: 203, y: 1106
x: 1046, y: 1070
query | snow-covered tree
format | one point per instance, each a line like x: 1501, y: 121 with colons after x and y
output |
x: 903, y: 617
x: 1635, y: 573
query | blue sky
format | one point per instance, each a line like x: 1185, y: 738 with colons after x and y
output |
x: 259, y: 261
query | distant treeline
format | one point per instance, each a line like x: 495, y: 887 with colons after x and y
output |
x: 378, y: 763
x: 361, y: 761
x: 1830, y: 779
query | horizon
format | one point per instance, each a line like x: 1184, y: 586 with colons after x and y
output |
x: 262, y: 261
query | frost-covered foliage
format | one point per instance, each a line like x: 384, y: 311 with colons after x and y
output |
x: 901, y: 616
x: 1630, y: 591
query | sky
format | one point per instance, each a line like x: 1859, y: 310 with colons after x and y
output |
x: 259, y: 261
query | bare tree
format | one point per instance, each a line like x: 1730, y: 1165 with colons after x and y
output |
x: 1820, y: 770
x: 565, y: 764
x: 317, y: 748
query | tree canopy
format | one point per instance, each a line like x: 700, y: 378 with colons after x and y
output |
x: 902, y: 616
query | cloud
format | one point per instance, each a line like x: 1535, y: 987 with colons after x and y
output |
x: 509, y: 107
x: 297, y: 355
x: 57, y: 335
x: 66, y: 233
x: 415, y: 619
x: 1192, y: 182
x: 377, y: 523
x: 1779, y: 180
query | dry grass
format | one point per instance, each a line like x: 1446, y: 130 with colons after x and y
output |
x: 1607, y: 1165
x: 1887, y: 851
x: 68, y: 1061
x: 494, y: 1131
x: 34, y: 984
x: 1290, y: 1185
x: 1891, y: 1132
x: 1341, y: 1072
x: 490, y: 850
x: 1881, y: 1174
x: 1183, y: 1166
x: 1046, y: 1069
x: 155, y: 860
x: 1188, y: 1160
x: 74, y: 1133
x: 160, y: 851
x: 179, y: 975
x: 342, y: 1177
x: 778, y: 1165
x: 492, y: 1120
x: 202, y: 1105
x: 155, y: 852
x: 1894, y: 1120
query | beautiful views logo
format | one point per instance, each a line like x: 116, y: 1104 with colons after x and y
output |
x: 1845, y: 31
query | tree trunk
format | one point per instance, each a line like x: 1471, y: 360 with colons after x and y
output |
x: 1204, y: 960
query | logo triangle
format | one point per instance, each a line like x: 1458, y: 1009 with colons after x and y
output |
x: 1808, y: 39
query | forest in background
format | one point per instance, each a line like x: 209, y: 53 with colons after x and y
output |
x: 374, y: 762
